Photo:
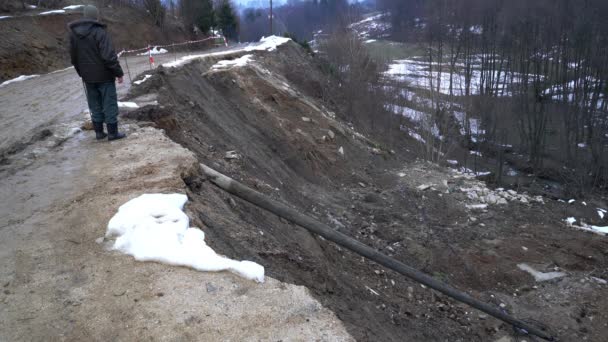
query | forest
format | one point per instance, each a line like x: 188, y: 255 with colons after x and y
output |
x: 535, y: 72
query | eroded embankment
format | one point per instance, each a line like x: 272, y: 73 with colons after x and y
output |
x: 261, y: 119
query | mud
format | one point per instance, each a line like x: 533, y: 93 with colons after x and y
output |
x: 257, y: 111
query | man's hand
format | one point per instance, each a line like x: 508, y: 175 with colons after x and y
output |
x: 119, y: 80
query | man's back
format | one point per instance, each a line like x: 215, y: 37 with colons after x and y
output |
x: 92, y: 52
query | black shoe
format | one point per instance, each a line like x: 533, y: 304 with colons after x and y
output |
x: 113, y: 133
x: 99, y: 133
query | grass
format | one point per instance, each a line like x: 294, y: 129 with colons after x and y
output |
x: 383, y: 51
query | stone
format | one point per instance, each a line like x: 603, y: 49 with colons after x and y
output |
x: 331, y: 134
x: 231, y: 155
x: 306, y: 119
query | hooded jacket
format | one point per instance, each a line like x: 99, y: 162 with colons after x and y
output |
x: 92, y: 53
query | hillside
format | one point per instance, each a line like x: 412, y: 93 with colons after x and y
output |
x: 259, y: 117
x: 35, y: 43
x: 268, y: 115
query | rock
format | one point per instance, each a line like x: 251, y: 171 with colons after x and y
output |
x: 87, y: 126
x: 523, y: 200
x: 477, y: 206
x: 502, y: 201
x: 232, y: 155
x: 512, y: 192
x: 424, y: 187
x: 211, y: 288
x: 305, y: 119
x: 491, y: 199
x: 331, y: 134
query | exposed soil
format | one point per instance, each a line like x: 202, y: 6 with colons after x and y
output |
x: 58, y: 280
x: 271, y: 114
x: 35, y: 44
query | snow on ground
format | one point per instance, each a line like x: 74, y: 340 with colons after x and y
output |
x: 127, y: 105
x: 369, y: 41
x: 583, y: 226
x: 540, y: 276
x: 73, y: 7
x: 5, y: 17
x: 232, y: 63
x: 154, y: 51
x: 146, y: 77
x: 416, y: 73
x: 416, y: 136
x: 153, y: 227
x: 18, y: 79
x: 268, y: 44
x: 53, y: 12
x: 373, y: 25
x: 601, y: 213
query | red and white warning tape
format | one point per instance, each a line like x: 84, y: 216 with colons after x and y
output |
x: 149, y: 47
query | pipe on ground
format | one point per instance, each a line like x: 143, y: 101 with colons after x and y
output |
x: 230, y: 185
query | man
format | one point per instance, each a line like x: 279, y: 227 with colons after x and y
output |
x: 96, y: 63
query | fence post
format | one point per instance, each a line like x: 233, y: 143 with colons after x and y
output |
x: 127, y: 65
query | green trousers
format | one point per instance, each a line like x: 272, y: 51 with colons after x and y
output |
x: 103, y: 102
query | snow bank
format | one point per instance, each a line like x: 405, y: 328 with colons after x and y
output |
x: 186, y: 59
x: 53, y: 12
x: 146, y: 77
x: 127, y: 105
x: 268, y: 44
x: 153, y: 227
x: 18, y: 79
x: 231, y: 63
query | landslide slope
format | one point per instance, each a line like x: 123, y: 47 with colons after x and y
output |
x: 266, y: 119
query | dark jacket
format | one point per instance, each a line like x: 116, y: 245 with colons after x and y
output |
x: 92, y: 52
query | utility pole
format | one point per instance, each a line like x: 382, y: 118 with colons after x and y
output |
x: 271, y: 31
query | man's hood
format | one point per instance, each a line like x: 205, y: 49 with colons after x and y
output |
x: 83, y: 27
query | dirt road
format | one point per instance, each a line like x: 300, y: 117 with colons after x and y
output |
x: 58, y: 281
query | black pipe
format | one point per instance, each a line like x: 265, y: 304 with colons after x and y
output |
x: 262, y: 201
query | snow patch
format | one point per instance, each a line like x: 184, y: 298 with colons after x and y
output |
x: 18, y: 79
x: 369, y: 41
x: 53, y: 12
x: 127, y: 105
x: 232, y: 63
x: 73, y: 7
x: 268, y: 44
x: 153, y: 227
x: 540, y: 276
x: 5, y: 17
x: 146, y: 77
x: 601, y: 214
x: 452, y: 162
x: 154, y: 51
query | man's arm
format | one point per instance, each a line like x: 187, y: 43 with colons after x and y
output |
x: 107, y: 53
x: 74, y: 54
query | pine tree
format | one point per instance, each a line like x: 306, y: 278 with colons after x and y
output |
x: 227, y: 20
x: 198, y: 13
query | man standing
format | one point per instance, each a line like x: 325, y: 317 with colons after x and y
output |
x: 96, y: 63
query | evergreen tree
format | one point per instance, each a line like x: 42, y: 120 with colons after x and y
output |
x: 227, y: 20
x: 198, y: 13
